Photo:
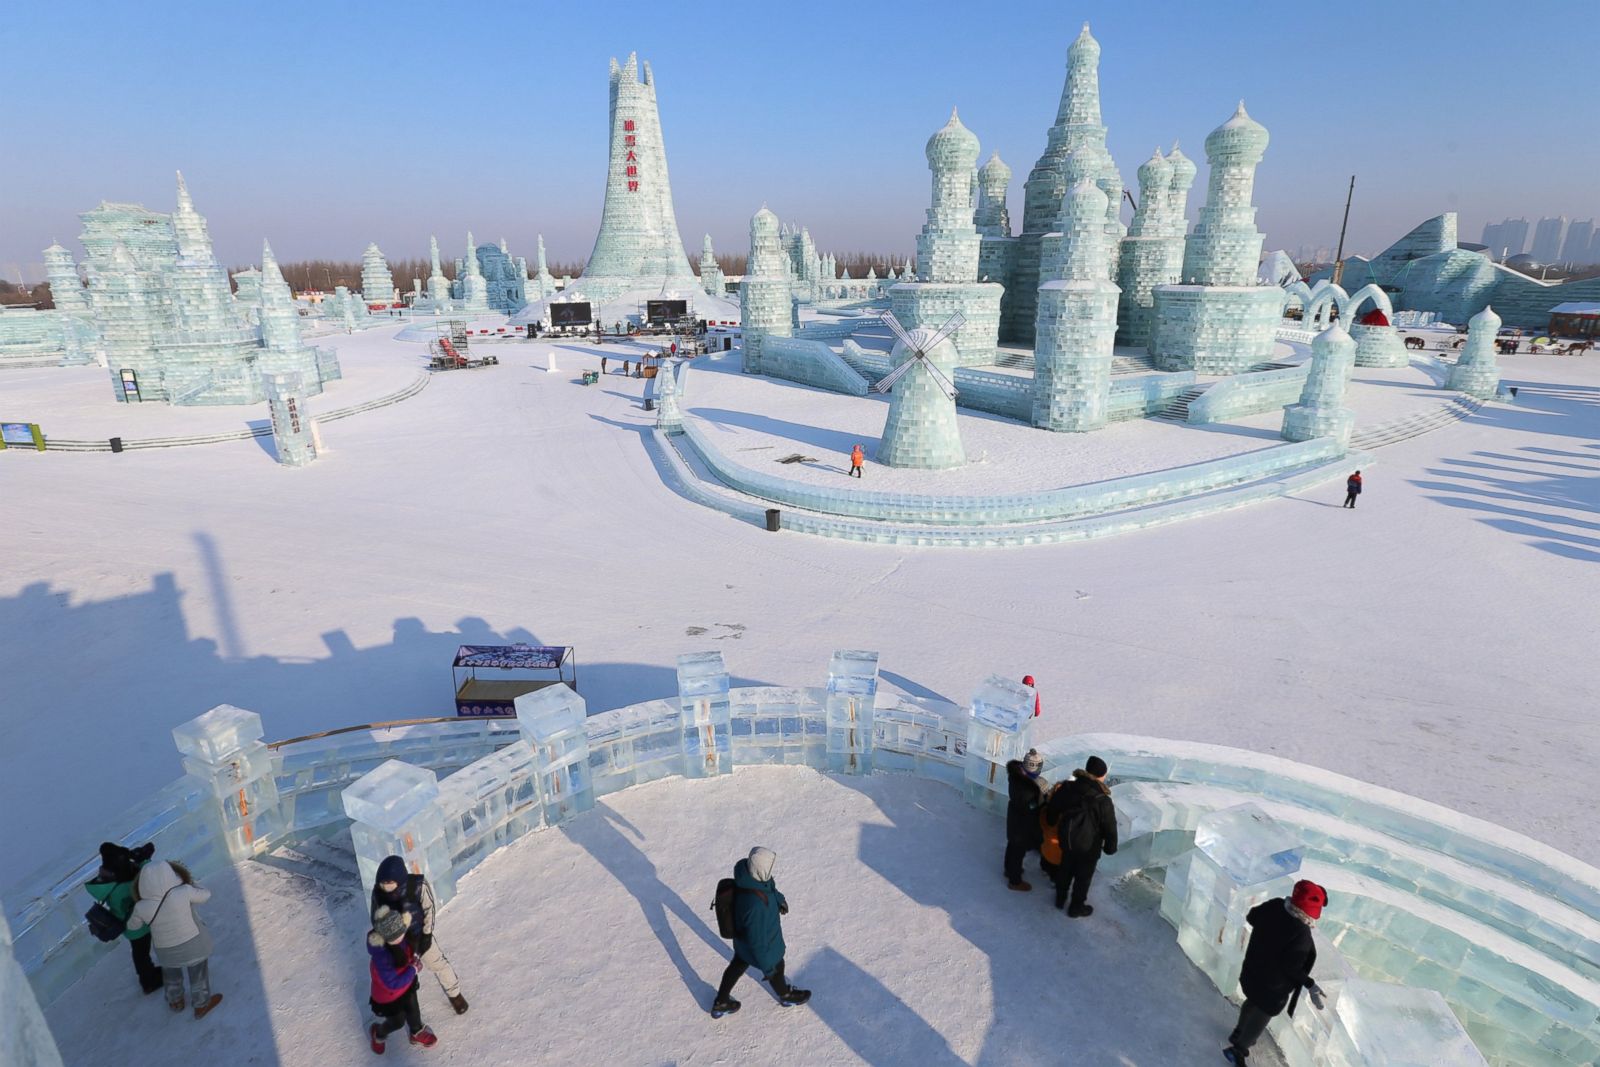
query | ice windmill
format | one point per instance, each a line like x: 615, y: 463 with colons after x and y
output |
x: 921, y: 430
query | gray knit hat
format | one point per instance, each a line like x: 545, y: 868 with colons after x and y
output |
x: 1033, y: 763
x: 391, y: 925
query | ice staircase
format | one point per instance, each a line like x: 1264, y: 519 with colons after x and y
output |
x: 1014, y: 360
x: 1401, y: 429
x: 1133, y: 364
x: 853, y: 357
x: 1178, y: 409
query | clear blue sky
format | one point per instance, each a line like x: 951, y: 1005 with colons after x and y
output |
x: 325, y: 126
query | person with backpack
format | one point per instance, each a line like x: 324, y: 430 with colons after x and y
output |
x: 1352, y: 489
x: 167, y: 896
x: 755, y: 915
x: 1277, y: 963
x: 1023, y: 831
x: 401, y: 891
x: 1084, y: 817
x: 393, y: 966
x: 112, y: 887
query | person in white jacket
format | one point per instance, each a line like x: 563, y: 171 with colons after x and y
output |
x: 167, y: 898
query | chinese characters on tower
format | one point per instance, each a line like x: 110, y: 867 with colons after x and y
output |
x: 631, y: 161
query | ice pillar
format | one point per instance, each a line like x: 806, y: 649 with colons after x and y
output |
x: 1321, y: 411
x: 764, y: 293
x: 1241, y: 858
x: 669, y: 415
x: 394, y: 811
x: 223, y: 750
x: 1477, y: 372
x: 25, y: 1039
x: 1000, y: 730
x: 852, y: 688
x: 293, y: 432
x: 1077, y: 322
x: 438, y: 284
x: 703, y: 698
x: 552, y: 722
x: 711, y: 279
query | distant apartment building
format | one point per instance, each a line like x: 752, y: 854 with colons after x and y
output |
x: 1505, y: 238
x: 1547, y: 239
x: 1580, y: 236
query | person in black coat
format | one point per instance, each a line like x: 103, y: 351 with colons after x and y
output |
x: 1023, y: 832
x: 1277, y: 963
x: 1352, y: 489
x: 1087, y: 823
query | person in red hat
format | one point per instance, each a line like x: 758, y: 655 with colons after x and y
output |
x: 1277, y: 963
x: 1027, y: 680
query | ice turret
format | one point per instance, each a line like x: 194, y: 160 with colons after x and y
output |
x: 764, y: 294
x: 1077, y: 318
x: 377, y: 281
x: 1477, y: 372
x: 1321, y: 411
x: 992, y: 217
x: 66, y: 288
x: 1152, y: 253
x: 438, y: 284
x: 473, y: 289
x: 711, y: 277
x: 1183, y: 175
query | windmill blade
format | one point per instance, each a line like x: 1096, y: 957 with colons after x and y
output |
x: 888, y: 319
x: 951, y: 325
x: 888, y: 381
x: 940, y: 380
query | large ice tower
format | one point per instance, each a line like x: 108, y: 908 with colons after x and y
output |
x: 638, y: 246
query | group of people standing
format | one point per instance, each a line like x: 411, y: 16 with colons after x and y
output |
x: 1073, y: 823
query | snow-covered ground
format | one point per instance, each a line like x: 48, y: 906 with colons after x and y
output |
x: 593, y: 944
x: 1438, y: 639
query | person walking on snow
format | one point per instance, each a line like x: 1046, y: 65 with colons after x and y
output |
x: 1277, y: 963
x: 1084, y: 817
x: 602, y: 364
x: 399, y: 891
x: 1023, y: 831
x: 858, y: 456
x: 167, y: 898
x: 112, y: 886
x: 1352, y: 489
x: 758, y: 908
x: 1027, y: 680
x: 393, y: 965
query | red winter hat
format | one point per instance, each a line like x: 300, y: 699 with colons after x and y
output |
x: 1310, y: 898
x: 1027, y: 680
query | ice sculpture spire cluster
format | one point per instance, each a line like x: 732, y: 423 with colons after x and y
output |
x: 947, y: 253
x: 711, y: 279
x: 1152, y: 252
x: 638, y: 246
x: 438, y: 284
x: 168, y: 324
x: 470, y: 287
x: 764, y: 293
x: 1077, y: 317
x: 1078, y: 125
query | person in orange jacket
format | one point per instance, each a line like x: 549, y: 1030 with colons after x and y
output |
x: 858, y: 456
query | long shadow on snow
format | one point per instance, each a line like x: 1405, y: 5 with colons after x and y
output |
x: 602, y: 835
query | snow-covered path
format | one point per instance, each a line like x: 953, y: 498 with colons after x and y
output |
x: 593, y: 944
x: 1439, y: 639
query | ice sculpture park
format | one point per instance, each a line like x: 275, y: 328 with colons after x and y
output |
x: 1102, y: 448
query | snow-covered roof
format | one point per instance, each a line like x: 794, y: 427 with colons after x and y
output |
x: 1577, y: 307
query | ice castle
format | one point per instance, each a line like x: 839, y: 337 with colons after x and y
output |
x: 504, y: 277
x: 167, y: 322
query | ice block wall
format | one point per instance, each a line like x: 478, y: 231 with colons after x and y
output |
x: 490, y: 804
x: 1001, y: 729
x: 222, y: 749
x: 703, y: 699
x: 394, y: 811
x: 25, y: 1040
x: 852, y: 689
x: 553, y: 724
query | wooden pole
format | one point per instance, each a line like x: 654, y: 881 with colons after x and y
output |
x: 1338, y: 257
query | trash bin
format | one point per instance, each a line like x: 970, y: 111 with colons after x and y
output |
x: 116, y: 444
x: 774, y: 520
x: 1513, y: 391
x: 649, y: 403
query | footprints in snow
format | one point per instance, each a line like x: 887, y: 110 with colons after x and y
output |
x: 733, y: 630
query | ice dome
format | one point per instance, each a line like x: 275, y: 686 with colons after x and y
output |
x: 995, y: 170
x: 953, y: 145
x: 1240, y: 136
x: 1085, y: 47
x: 1155, y: 171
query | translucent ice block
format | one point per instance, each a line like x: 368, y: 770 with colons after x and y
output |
x: 391, y: 796
x: 1003, y: 704
x: 853, y: 671
x: 1382, y: 1025
x: 222, y: 730
x: 550, y: 713
x: 1248, y: 844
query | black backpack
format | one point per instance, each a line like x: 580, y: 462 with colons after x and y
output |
x: 103, y: 924
x: 722, y: 904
